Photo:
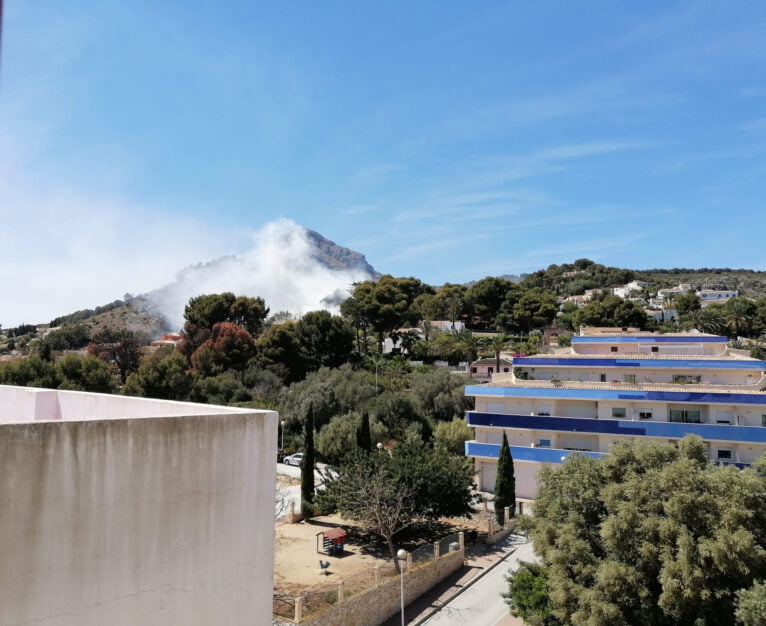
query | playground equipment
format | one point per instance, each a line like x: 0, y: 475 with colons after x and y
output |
x: 333, y: 541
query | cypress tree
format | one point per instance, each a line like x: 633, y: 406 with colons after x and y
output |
x: 363, y: 436
x: 307, y: 466
x: 505, y: 483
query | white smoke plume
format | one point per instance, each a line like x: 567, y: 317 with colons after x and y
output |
x: 280, y: 268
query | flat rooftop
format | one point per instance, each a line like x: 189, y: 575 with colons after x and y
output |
x: 32, y: 404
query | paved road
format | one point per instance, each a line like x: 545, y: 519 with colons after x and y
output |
x: 482, y: 603
x: 293, y: 494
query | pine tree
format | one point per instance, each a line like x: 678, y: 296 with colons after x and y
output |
x: 363, y: 436
x: 307, y: 466
x: 505, y: 483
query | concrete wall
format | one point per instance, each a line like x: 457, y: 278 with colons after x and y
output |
x: 379, y: 604
x: 125, y: 522
x: 23, y: 404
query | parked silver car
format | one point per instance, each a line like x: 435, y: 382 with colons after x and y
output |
x: 293, y: 459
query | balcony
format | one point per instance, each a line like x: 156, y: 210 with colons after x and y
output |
x: 701, y: 394
x: 619, y: 428
x: 510, y: 380
x: 522, y: 453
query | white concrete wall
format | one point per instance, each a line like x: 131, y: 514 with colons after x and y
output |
x: 710, y: 349
x: 525, y: 473
x: 21, y: 404
x: 137, y: 522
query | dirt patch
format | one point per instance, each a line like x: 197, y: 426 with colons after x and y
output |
x: 297, y: 560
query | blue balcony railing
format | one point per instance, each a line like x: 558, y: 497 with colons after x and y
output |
x: 615, y: 394
x: 619, y: 428
x: 543, y: 361
x: 521, y: 453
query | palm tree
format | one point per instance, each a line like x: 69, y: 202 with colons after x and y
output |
x: 707, y: 320
x: 738, y: 317
x: 467, y: 343
x: 408, y: 339
x: 427, y: 327
x: 497, y: 344
x: 454, y: 305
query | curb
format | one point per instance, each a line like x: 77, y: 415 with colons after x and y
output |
x: 470, y: 584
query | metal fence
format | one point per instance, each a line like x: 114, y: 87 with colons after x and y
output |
x: 361, y: 582
x: 387, y: 570
x: 423, y: 554
x: 284, y: 606
x: 450, y: 543
x: 320, y: 599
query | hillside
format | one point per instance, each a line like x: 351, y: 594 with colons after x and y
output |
x: 322, y: 268
x: 749, y: 283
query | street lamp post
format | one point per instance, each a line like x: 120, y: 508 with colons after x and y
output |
x: 282, y: 444
x: 401, y: 555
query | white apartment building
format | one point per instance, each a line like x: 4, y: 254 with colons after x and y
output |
x: 129, y: 511
x: 621, y: 386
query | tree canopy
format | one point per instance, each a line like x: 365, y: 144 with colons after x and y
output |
x: 652, y: 534
x: 390, y: 491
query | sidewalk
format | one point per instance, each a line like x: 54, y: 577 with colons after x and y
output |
x: 478, y: 561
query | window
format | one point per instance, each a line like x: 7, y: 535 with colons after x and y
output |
x: 613, y: 348
x: 629, y: 378
x: 602, y: 378
x: 619, y: 412
x: 723, y: 417
x: 506, y: 370
x: 473, y: 370
x: 490, y: 370
x: 645, y: 415
x: 655, y: 349
x: 686, y: 417
x: 685, y: 378
x: 724, y: 455
x: 763, y: 420
x: 544, y: 443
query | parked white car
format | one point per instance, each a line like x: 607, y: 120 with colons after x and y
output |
x: 293, y: 459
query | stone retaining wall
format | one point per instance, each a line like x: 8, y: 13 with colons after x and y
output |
x: 377, y: 605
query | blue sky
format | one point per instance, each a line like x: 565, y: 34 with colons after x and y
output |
x: 446, y: 140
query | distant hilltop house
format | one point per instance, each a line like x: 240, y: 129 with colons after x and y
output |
x: 583, y: 299
x: 706, y: 296
x: 672, y: 292
x: 483, y: 369
x: 440, y: 325
x: 625, y: 291
x: 447, y: 325
x: 715, y: 296
x: 573, y: 273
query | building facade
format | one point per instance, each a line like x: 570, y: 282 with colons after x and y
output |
x: 622, y: 386
x: 125, y: 511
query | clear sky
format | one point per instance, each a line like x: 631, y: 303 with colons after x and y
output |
x: 444, y: 140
